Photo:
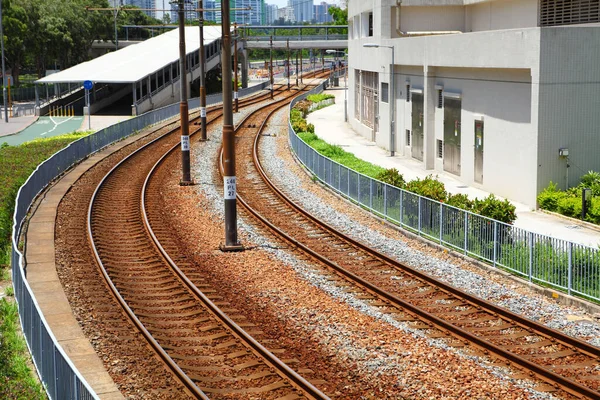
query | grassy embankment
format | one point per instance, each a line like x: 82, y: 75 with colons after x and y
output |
x: 17, y: 381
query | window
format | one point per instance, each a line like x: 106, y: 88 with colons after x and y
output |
x: 369, y: 98
x: 440, y: 148
x: 440, y: 102
x: 370, y: 24
x: 384, y: 92
x: 408, y: 93
x: 408, y: 137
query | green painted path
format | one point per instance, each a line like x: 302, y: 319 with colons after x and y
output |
x: 44, y: 127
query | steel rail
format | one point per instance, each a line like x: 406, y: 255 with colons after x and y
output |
x: 272, y: 360
x: 547, y: 375
x: 183, y: 378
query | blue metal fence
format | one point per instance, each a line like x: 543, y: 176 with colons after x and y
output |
x: 59, y: 376
x: 544, y: 260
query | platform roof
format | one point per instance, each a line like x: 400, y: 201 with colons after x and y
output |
x: 133, y: 63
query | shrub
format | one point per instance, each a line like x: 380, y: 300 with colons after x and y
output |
x: 593, y: 214
x: 392, y: 177
x: 303, y: 106
x: 549, y: 197
x: 460, y: 201
x: 493, y: 207
x: 315, y: 98
x: 429, y: 187
x: 590, y: 179
x: 570, y: 206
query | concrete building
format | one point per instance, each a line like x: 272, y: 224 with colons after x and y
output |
x: 321, y: 13
x: 286, y: 14
x: 256, y: 15
x: 501, y: 93
x: 271, y: 13
x: 149, y: 6
x: 189, y: 11
x: 303, y: 10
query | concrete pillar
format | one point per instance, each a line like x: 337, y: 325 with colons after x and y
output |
x: 429, y: 100
x: 244, y: 59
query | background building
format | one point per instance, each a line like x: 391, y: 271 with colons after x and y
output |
x: 501, y: 93
x: 189, y: 11
x: 303, y: 10
x: 271, y: 13
x: 321, y: 13
x: 148, y: 5
x: 257, y: 14
x: 286, y: 14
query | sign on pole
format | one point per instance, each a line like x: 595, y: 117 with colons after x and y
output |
x: 88, y: 85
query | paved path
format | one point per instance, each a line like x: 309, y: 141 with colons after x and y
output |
x: 45, y: 127
x: 15, y: 125
x: 330, y: 126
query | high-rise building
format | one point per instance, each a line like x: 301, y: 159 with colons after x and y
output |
x: 286, y: 14
x: 321, y: 13
x: 248, y: 12
x: 271, y: 13
x: 303, y: 10
x: 149, y: 6
x: 189, y: 8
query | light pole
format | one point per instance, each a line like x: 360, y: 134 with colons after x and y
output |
x: 391, y: 96
x: 3, y: 68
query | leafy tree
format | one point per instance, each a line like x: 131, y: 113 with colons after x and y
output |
x: 340, y: 16
x: 15, y: 24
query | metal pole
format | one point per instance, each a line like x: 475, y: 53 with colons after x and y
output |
x: 346, y: 87
x: 202, y: 59
x: 288, y: 63
x: 296, y: 67
x: 229, y: 178
x: 116, y: 13
x: 301, y: 66
x: 183, y: 104
x: 271, y: 65
x: 3, y: 67
x: 392, y: 108
x: 235, y: 68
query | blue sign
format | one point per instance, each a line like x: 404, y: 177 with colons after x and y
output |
x: 88, y: 85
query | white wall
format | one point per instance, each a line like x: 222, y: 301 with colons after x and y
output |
x: 502, y: 14
x: 425, y: 19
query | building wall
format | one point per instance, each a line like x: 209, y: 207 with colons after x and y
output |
x: 504, y: 14
x: 424, y: 19
x: 569, y: 106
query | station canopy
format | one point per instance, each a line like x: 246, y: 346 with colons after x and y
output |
x: 133, y: 63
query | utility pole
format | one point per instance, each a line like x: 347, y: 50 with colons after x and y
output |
x: 202, y: 59
x: 301, y: 66
x: 229, y: 178
x: 271, y: 66
x: 183, y: 104
x: 235, y: 67
x: 288, y: 63
x: 296, y: 67
x: 3, y: 67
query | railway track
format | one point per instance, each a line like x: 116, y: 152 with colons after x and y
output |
x: 200, y: 339
x: 566, y: 365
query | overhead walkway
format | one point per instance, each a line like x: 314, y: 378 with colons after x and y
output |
x: 147, y: 73
x: 317, y: 37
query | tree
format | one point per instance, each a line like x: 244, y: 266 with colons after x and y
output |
x: 340, y: 16
x: 15, y: 25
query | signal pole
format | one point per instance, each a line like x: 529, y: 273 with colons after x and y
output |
x: 235, y: 67
x: 183, y: 104
x: 203, y: 135
x: 229, y: 178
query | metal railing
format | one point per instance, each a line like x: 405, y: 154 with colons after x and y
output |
x: 544, y: 260
x: 58, y: 374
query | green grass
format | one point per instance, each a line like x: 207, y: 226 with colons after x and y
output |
x: 341, y: 156
x: 16, y: 164
x: 16, y: 379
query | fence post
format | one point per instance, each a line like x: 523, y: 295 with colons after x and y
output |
x: 348, y: 187
x: 371, y: 194
x: 330, y: 172
x: 441, y: 219
x: 495, y: 241
x: 530, y: 256
x: 385, y: 186
x: 401, y: 210
x: 570, y: 284
x: 419, y: 224
x: 339, y: 178
x: 466, y: 234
